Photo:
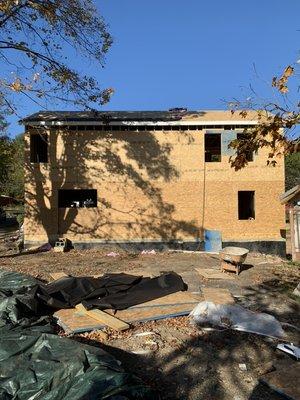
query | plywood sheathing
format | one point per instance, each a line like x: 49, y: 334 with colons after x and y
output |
x: 81, y: 320
x: 218, y: 295
x: 173, y: 305
x: 58, y: 275
x: 73, y: 321
x: 210, y: 273
x: 182, y: 182
x: 104, y: 318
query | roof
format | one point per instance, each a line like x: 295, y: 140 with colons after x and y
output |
x: 289, y: 195
x: 177, y: 114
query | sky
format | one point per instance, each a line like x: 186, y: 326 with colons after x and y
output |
x: 195, y: 54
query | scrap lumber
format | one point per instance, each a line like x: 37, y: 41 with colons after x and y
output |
x: 172, y: 299
x: 218, y: 295
x: 73, y: 321
x: 82, y: 320
x: 57, y: 275
x: 210, y: 273
x: 173, y: 305
x: 104, y: 318
x: 154, y: 313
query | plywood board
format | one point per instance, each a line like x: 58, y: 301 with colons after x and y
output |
x: 104, y: 318
x: 58, y: 275
x: 285, y: 381
x: 153, y: 313
x: 171, y: 300
x: 218, y: 296
x: 73, y: 321
x: 210, y: 273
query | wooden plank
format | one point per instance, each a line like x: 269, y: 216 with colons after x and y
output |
x: 76, y: 322
x: 210, y: 273
x: 104, y: 318
x: 218, y: 296
x: 57, y: 275
x: 285, y: 381
x: 73, y: 321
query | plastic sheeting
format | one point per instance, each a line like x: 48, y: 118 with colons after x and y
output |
x: 237, y: 318
x: 48, y: 367
x: 38, y: 365
x: 24, y: 298
x: 111, y: 291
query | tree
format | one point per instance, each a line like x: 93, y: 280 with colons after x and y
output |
x: 12, y: 166
x: 276, y: 128
x: 15, y: 184
x: 38, y: 39
x: 292, y: 170
x: 5, y: 160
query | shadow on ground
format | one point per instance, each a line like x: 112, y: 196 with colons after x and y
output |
x: 192, y: 363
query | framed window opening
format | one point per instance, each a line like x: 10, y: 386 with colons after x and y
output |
x: 246, y: 205
x: 38, y: 147
x: 77, y: 198
x: 212, y: 144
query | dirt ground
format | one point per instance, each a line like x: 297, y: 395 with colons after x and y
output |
x: 180, y: 360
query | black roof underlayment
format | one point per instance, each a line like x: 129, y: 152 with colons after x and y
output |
x: 107, y: 116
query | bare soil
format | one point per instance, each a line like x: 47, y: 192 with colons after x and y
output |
x: 180, y: 360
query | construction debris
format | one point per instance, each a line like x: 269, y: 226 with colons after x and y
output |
x: 210, y: 273
x: 218, y: 295
x: 172, y: 305
x: 296, y: 291
x: 62, y: 245
x: 36, y: 363
x: 112, y: 254
x: 237, y: 318
x: 104, y: 318
x: 290, y: 349
x: 150, y: 252
x: 243, y: 367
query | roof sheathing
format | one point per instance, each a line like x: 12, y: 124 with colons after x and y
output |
x: 60, y: 118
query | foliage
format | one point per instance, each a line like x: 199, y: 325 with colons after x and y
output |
x: 274, y: 129
x: 292, y: 170
x: 38, y: 39
x: 5, y: 159
x: 12, y: 166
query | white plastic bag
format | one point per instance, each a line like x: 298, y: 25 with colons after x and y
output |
x: 237, y: 318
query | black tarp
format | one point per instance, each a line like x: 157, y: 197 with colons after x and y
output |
x: 34, y: 299
x: 111, y: 291
x: 36, y: 364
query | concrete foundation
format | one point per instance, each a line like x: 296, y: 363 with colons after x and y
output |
x: 266, y: 247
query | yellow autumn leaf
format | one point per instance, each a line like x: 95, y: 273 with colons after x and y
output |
x: 288, y: 71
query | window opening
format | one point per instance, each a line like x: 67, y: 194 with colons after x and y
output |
x: 77, y: 198
x: 212, y: 147
x: 246, y: 204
